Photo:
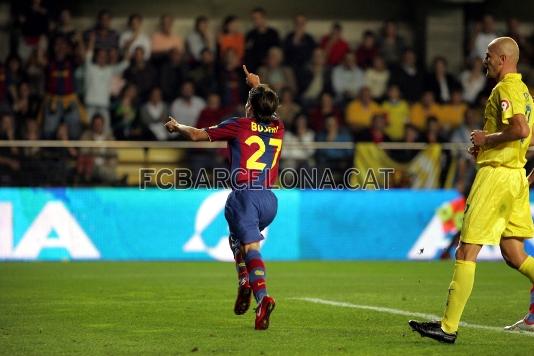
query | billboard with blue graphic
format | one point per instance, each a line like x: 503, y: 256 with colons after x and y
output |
x: 132, y: 224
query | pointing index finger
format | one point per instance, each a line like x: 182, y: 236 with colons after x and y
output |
x: 246, y: 70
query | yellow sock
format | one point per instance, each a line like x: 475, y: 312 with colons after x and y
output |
x: 459, y: 292
x: 527, y: 268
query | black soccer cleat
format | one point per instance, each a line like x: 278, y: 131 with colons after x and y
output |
x: 432, y: 329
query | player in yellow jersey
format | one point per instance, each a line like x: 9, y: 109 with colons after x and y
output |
x: 498, y: 207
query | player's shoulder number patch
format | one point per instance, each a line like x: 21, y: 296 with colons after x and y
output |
x: 505, y: 104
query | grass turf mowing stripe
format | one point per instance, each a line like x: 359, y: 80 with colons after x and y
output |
x: 404, y: 313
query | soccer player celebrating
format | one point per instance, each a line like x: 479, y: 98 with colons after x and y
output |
x: 255, y: 142
x: 498, y: 208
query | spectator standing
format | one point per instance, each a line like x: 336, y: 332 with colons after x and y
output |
x: 482, y: 39
x: 105, y: 37
x: 233, y: 88
x: 172, y: 74
x: 315, y: 78
x: 440, y: 81
x: 259, y: 40
x: 141, y: 73
x: 134, y: 37
x: 200, y: 39
x: 391, y: 45
x: 98, y: 81
x: 473, y: 80
x: 231, y: 38
x: 164, y: 40
x: 298, y: 45
x: 367, y: 50
x: 334, y: 45
x: 204, y: 74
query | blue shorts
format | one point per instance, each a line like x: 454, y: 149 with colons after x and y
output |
x: 248, y: 212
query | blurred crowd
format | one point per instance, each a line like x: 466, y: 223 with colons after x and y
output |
x: 60, y: 82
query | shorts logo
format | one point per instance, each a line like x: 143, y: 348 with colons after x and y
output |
x: 505, y: 105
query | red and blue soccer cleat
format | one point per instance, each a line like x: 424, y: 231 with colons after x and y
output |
x: 263, y: 311
x: 244, y: 293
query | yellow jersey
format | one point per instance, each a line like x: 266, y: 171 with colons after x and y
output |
x: 508, y: 98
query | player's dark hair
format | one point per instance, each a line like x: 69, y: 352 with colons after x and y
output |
x: 264, y: 102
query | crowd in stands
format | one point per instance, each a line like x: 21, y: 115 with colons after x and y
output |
x: 67, y: 83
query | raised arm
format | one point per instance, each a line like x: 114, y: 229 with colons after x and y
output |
x: 252, y: 79
x: 190, y: 133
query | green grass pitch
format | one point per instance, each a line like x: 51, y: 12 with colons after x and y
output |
x: 183, y: 308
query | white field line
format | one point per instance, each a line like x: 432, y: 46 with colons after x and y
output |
x: 403, y: 313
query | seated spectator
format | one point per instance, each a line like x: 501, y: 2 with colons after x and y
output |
x: 25, y: 106
x: 397, y: 112
x: 172, y: 73
x: 232, y: 87
x: 298, y: 44
x: 325, y: 109
x: 297, y: 155
x: 61, y: 104
x: 275, y: 73
x: 35, y: 73
x: 204, y: 75
x: 376, y: 78
x: 411, y: 135
x: 347, y: 78
x: 187, y: 107
x: 32, y: 159
x: 288, y: 109
x: 213, y: 113
x: 60, y: 162
x: 440, y: 81
x: 422, y: 110
x: 141, y: 73
x: 452, y: 113
x: 408, y: 77
x: 98, y: 77
x: 334, y: 46
x: 259, y: 40
x: 154, y: 114
x: 105, y: 37
x: 481, y: 39
x: 124, y: 116
x: 473, y: 80
x: 376, y: 132
x: 117, y: 79
x: 164, y: 40
x: 134, y: 37
x: 367, y: 50
x: 14, y: 73
x: 391, y: 45
x: 315, y: 79
x: 433, y: 131
x: 337, y: 159
x: 231, y: 38
x: 9, y: 156
x: 462, y: 136
x: 360, y: 111
x: 200, y: 39
x: 98, y: 164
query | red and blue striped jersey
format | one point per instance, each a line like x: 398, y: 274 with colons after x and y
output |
x: 254, y: 149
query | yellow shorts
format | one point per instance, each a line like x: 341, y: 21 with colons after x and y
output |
x: 498, y: 206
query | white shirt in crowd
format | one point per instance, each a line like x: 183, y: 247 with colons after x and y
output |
x: 187, y: 112
x: 141, y: 40
x: 482, y: 40
x: 98, y: 80
x: 300, y: 152
x: 347, y: 80
x: 471, y: 86
x: 195, y: 44
x: 376, y: 81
